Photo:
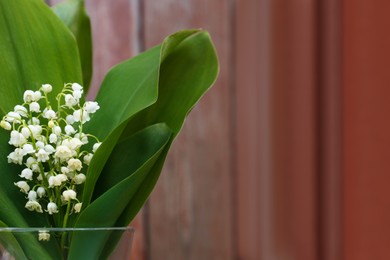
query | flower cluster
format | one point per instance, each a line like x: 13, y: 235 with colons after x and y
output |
x: 51, y: 146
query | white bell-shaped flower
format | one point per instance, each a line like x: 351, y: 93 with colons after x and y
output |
x: 63, y: 152
x: 77, y: 86
x: 52, y: 208
x: 77, y: 207
x: 32, y: 195
x: 42, y: 155
x: 43, y: 235
x: 28, y: 96
x: 79, y: 178
x: 17, y: 139
x: 69, y: 130
x: 28, y: 149
x: 53, y: 138
x: 69, y: 195
x: 49, y: 149
x: 74, y: 164
x: 56, y: 130
x: 27, y: 174
x: 16, y: 156
x: 70, y: 100
x: 21, y: 110
x: 49, y: 114
x: 35, y: 107
x: 37, y: 95
x: 30, y: 161
x: 25, y: 132
x: 5, y: 125
x: 81, y: 115
x: 70, y: 119
x: 33, y: 205
x: 46, y: 88
x: 87, y: 158
x: 23, y: 186
x: 96, y: 146
x: 91, y: 106
x: 41, y: 192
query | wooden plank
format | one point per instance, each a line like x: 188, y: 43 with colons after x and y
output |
x: 253, y: 131
x: 191, y: 207
x: 330, y: 129
x: 277, y: 98
x: 366, y: 129
x: 293, y: 129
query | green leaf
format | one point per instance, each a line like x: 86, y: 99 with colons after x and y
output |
x: 167, y: 80
x: 125, y: 91
x: 74, y: 15
x: 35, y: 48
x: 188, y: 70
x: 186, y: 74
x: 130, y: 165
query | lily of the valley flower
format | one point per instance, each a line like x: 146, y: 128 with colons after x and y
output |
x: 33, y: 205
x: 43, y: 235
x: 69, y: 195
x: 52, y: 147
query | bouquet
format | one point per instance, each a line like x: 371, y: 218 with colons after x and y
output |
x: 71, y: 163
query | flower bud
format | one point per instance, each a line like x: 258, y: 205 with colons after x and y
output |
x: 96, y: 146
x: 5, y: 125
x: 88, y: 158
x: 77, y: 207
x: 46, y: 88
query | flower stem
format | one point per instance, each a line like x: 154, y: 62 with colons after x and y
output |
x: 63, y: 237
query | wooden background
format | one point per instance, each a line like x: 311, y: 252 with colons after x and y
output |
x: 286, y: 158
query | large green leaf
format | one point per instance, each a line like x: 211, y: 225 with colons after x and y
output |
x: 134, y: 158
x: 73, y: 14
x: 35, y: 48
x: 189, y: 68
x: 186, y: 74
x: 125, y: 91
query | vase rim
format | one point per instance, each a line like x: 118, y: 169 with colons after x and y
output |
x: 58, y: 229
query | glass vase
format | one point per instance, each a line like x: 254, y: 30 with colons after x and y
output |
x: 66, y: 243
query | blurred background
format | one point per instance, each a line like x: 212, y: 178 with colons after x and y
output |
x: 287, y: 157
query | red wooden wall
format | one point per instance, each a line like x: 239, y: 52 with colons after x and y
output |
x: 287, y: 156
